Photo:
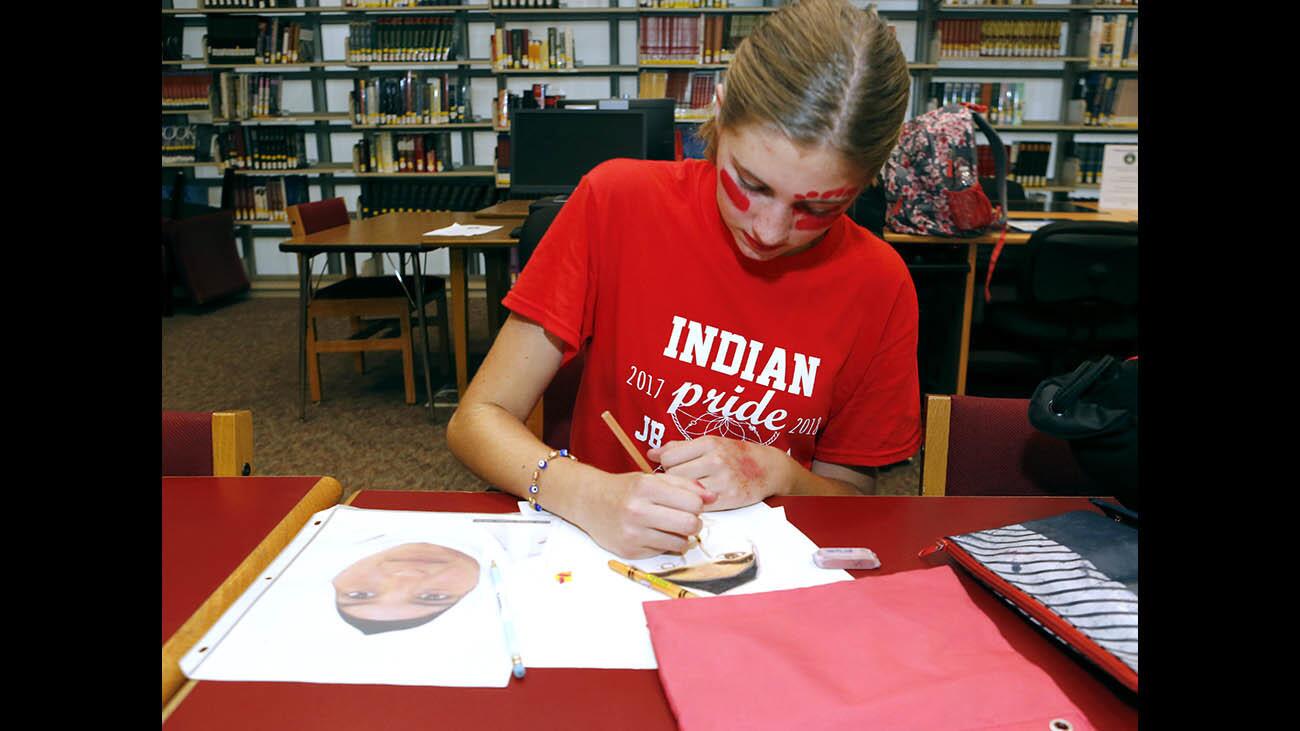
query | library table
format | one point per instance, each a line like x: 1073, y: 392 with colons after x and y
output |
x: 1014, y: 238
x: 505, y: 209
x: 896, y: 528
x: 403, y: 233
x: 218, y: 533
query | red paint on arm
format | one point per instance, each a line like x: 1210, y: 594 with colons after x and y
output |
x: 737, y: 196
x: 748, y: 467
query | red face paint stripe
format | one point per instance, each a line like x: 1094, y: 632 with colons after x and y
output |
x: 810, y: 222
x: 830, y: 194
x: 738, y: 198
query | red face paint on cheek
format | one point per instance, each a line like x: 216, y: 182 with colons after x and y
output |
x: 738, y: 197
x: 830, y: 194
x: 809, y: 222
x: 804, y: 221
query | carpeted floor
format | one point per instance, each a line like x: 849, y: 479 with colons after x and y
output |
x: 243, y: 354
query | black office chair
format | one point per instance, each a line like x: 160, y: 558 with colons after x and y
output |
x: 1077, y: 295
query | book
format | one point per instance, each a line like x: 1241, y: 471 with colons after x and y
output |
x: 1094, y: 39
x: 186, y: 90
x: 1106, y: 48
x: 389, y: 152
x: 1130, y: 57
x: 1124, y: 106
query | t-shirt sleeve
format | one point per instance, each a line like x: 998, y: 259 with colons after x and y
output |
x: 557, y: 286
x: 875, y: 416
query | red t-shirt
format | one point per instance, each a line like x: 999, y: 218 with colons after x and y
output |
x: 812, y: 353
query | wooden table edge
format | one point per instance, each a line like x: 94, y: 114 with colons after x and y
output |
x: 325, y: 493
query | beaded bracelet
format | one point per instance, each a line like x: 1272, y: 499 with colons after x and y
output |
x: 541, y: 465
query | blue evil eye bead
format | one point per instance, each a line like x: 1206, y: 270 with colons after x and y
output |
x: 541, y: 464
x: 537, y: 507
x: 533, y: 488
x: 564, y: 453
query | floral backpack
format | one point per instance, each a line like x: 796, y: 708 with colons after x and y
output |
x: 931, y: 181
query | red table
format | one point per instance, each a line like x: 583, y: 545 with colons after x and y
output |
x: 218, y: 533
x: 894, y: 527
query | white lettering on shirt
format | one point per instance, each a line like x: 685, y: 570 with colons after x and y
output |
x: 729, y: 350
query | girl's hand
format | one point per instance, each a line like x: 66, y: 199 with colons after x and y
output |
x: 741, y: 473
x: 643, y: 515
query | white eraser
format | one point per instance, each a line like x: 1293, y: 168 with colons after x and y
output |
x: 846, y: 558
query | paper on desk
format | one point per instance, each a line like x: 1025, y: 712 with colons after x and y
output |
x: 1025, y: 224
x: 457, y: 229
x: 594, y: 617
x: 289, y: 625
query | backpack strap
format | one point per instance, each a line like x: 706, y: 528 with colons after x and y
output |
x: 999, y: 162
x: 1000, y: 181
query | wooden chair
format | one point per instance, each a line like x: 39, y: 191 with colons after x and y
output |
x: 986, y: 446
x: 381, y: 299
x: 202, y: 443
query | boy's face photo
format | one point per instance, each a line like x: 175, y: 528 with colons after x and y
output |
x: 404, y: 586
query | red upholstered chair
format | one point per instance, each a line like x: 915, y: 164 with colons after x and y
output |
x: 986, y: 446
x: 381, y: 299
x: 202, y: 255
x: 217, y: 443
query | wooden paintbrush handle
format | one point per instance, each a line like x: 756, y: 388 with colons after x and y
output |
x: 623, y: 439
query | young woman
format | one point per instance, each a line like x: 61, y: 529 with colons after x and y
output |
x: 750, y: 338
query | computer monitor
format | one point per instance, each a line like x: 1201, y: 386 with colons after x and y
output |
x: 551, y: 149
x: 660, y: 144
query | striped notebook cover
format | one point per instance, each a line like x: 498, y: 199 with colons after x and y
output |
x: 1074, y: 575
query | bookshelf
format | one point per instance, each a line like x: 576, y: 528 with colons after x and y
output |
x: 1050, y: 76
x: 608, y: 63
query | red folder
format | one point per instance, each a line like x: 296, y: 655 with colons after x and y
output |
x: 903, y: 651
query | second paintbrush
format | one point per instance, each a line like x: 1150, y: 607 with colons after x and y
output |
x: 663, y: 586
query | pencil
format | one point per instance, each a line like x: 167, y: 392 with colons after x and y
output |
x: 623, y: 439
x: 661, y: 585
x: 507, y: 624
x: 636, y: 457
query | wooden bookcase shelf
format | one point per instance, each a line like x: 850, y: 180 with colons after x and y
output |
x: 1063, y: 127
x: 569, y: 12
x: 288, y: 119
x: 477, y: 172
x: 318, y: 169
x: 321, y: 10
x: 579, y: 71
x: 481, y: 124
x: 1037, y: 10
x: 712, y: 11
x: 1012, y: 59
x: 417, y: 65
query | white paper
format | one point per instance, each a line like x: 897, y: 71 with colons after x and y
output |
x: 288, y: 626
x: 594, y: 618
x: 457, y: 229
x: 1022, y: 224
x: 570, y: 609
x: 1119, y: 178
